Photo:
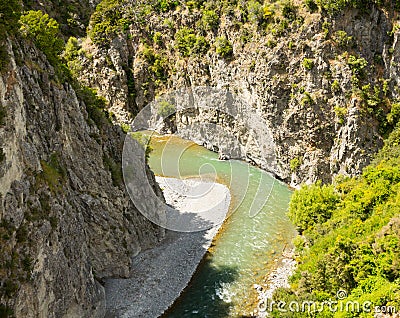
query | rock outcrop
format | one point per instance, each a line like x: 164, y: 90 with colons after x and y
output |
x: 66, y: 220
x: 300, y: 80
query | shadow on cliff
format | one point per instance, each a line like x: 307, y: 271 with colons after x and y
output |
x: 207, y: 294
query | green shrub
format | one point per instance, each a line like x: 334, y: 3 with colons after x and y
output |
x: 10, y: 13
x: 311, y: 5
x: 308, y: 63
x: 340, y: 112
x: 159, y: 68
x: 312, y: 204
x: 72, y: 53
x: 268, y: 12
x: 335, y: 86
x: 167, y: 5
x: 95, y: 105
x: 185, y: 40
x: 107, y: 21
x: 125, y: 128
x: 306, y: 99
x: 165, y: 109
x: 342, y: 39
x: 6, y: 311
x: 210, y: 19
x: 72, y: 48
x: 223, y: 47
x: 255, y: 11
x: 351, y: 235
x: 158, y: 64
x: 357, y: 65
x: 144, y: 141
x: 289, y: 11
x: 271, y: 43
x: 44, y: 31
x: 4, y: 58
x: 201, y: 45
x: 157, y: 38
x: 394, y: 116
x: 53, y: 173
x: 295, y: 163
x: 325, y: 28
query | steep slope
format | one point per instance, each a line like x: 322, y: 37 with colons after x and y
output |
x: 323, y: 81
x: 66, y: 221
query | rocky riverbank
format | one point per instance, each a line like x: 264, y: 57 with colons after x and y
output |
x: 277, y: 278
x: 160, y: 274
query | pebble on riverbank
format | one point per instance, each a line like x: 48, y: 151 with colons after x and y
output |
x: 278, y: 278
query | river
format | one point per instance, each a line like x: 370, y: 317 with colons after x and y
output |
x: 250, y: 241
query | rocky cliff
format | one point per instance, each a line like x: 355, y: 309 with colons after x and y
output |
x: 66, y: 220
x: 323, y: 82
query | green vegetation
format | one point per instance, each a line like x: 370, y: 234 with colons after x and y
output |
x: 72, y: 53
x: 144, y: 141
x: 255, y: 11
x: 341, y: 113
x: 394, y: 115
x: 158, y: 64
x: 357, y: 65
x: 311, y: 5
x: 165, y: 108
x: 188, y: 43
x: 342, y: 39
x: 308, y: 63
x: 115, y: 169
x: 167, y: 5
x: 95, y: 105
x: 311, y: 205
x: 125, y: 128
x: 223, y: 47
x: 107, y: 21
x: 185, y: 40
x: 295, y: 163
x: 289, y: 11
x: 335, y: 86
x: 10, y: 12
x: 306, y: 99
x: 44, y: 31
x: 53, y: 173
x: 158, y: 38
x: 210, y: 19
x: 350, y: 237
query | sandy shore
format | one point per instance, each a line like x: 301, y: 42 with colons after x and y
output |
x: 160, y: 274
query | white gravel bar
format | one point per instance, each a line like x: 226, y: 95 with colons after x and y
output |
x: 159, y: 275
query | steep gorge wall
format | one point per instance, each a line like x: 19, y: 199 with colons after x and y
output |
x: 320, y: 120
x: 66, y: 221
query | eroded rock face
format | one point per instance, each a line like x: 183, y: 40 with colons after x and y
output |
x: 311, y: 112
x: 66, y: 219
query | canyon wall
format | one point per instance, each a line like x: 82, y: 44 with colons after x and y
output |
x: 67, y: 222
x: 306, y: 83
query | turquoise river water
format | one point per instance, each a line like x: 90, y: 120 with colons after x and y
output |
x: 250, y: 241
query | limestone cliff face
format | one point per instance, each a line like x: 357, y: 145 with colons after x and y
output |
x: 301, y: 82
x: 66, y: 219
